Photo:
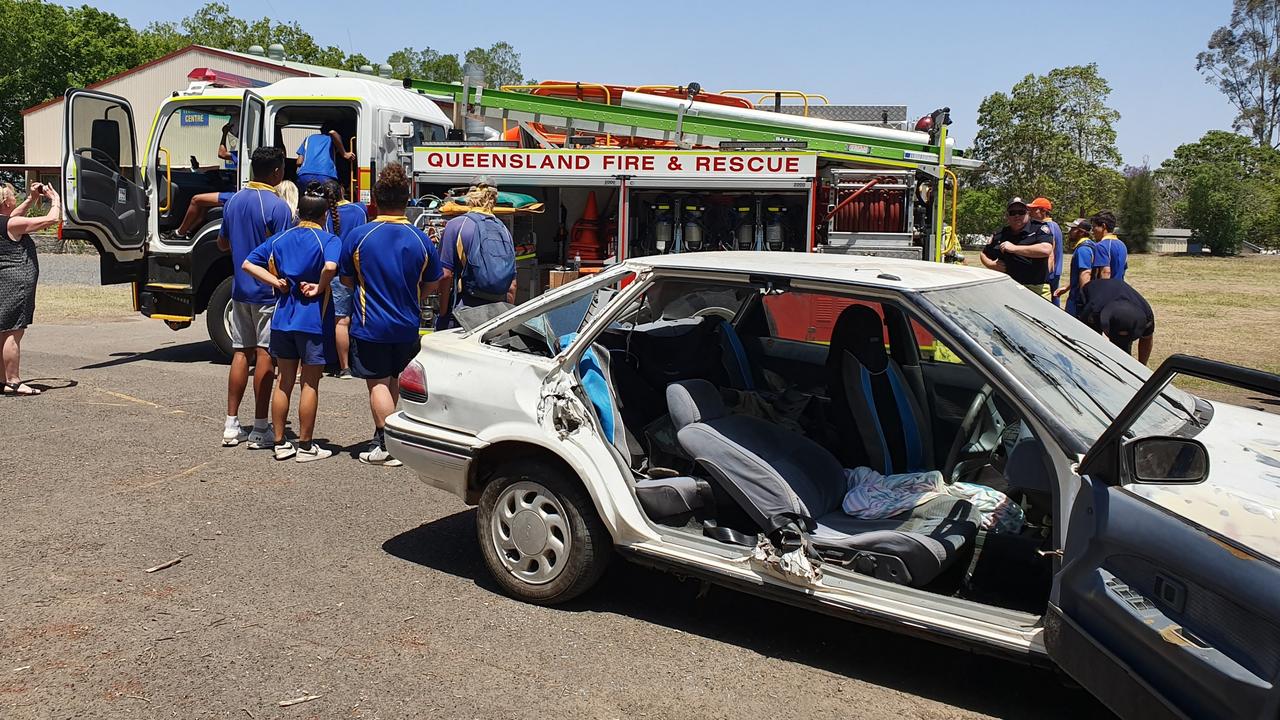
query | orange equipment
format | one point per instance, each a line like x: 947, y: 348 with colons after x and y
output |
x: 585, y: 241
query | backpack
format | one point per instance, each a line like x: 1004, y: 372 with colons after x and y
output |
x: 488, y: 271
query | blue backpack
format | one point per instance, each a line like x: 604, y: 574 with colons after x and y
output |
x: 488, y: 270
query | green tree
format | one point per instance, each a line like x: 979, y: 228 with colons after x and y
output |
x: 979, y: 210
x: 1253, y: 172
x: 1053, y: 135
x: 1138, y: 209
x: 501, y: 64
x: 425, y: 64
x: 1243, y: 61
x: 1213, y: 209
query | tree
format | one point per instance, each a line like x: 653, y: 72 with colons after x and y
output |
x: 1138, y: 208
x: 1212, y: 210
x: 425, y: 64
x: 979, y: 210
x: 1252, y: 172
x: 501, y: 64
x: 1243, y: 61
x: 1053, y: 135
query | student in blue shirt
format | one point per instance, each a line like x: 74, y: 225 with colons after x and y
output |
x: 249, y: 218
x: 1088, y: 260
x: 1104, y: 234
x: 389, y: 263
x: 1039, y: 209
x: 348, y: 217
x: 298, y: 265
x: 316, y: 156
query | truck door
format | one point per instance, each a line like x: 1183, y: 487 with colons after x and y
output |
x: 1157, y: 615
x: 253, y: 132
x: 103, y: 198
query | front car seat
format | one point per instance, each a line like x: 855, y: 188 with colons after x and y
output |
x: 778, y: 477
x: 876, y: 413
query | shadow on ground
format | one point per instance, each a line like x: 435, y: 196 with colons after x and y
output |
x: 196, y: 352
x: 956, y: 677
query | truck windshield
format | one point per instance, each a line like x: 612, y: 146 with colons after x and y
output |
x: 1077, y: 373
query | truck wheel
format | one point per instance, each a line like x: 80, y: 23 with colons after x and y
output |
x: 539, y: 533
x: 217, y: 317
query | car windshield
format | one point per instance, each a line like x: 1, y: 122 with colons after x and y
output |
x: 1077, y: 373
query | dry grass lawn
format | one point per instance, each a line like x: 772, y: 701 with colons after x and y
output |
x: 62, y: 304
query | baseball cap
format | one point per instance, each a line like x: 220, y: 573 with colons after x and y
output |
x: 483, y: 181
x: 1079, y: 223
x: 1041, y: 202
x: 1015, y: 201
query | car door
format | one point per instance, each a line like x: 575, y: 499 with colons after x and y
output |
x: 1154, y: 614
x: 103, y: 197
x: 253, y: 133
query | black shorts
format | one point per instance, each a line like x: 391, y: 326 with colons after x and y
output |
x: 375, y: 360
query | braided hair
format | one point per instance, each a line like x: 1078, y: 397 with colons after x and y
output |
x: 315, y: 202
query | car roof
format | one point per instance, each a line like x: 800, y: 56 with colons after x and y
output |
x: 897, y: 273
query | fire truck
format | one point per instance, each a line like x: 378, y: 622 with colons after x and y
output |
x: 611, y: 172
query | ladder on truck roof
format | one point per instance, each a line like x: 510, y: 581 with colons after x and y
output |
x: 675, y: 120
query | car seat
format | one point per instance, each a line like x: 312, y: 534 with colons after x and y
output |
x: 780, y: 477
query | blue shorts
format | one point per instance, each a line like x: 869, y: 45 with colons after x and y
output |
x: 375, y: 360
x: 305, y: 179
x: 224, y: 197
x: 341, y: 298
x: 294, y: 345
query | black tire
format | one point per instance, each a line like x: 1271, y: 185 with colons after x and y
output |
x: 590, y: 546
x: 215, y: 317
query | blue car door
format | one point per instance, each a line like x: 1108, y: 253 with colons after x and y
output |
x: 1155, y: 615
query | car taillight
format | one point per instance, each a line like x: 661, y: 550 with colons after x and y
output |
x: 413, y: 383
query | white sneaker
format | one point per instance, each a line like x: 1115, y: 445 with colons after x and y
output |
x: 285, y: 450
x: 378, y: 455
x: 315, y: 452
x: 233, y: 436
x: 262, y: 439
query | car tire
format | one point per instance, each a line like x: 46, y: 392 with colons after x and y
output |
x: 539, y: 533
x: 216, y: 317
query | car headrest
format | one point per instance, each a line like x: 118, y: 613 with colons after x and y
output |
x: 693, y: 401
x: 860, y: 332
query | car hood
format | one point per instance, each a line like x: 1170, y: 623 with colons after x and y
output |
x: 1241, y: 498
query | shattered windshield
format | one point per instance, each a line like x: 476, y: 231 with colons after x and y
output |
x: 1077, y: 373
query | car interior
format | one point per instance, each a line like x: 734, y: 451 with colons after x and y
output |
x: 739, y: 408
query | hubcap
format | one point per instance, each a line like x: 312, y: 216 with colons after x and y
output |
x: 530, y: 532
x: 226, y: 319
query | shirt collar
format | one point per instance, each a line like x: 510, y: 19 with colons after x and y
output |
x: 392, y: 219
x: 1110, y: 236
x: 308, y: 224
x: 255, y: 185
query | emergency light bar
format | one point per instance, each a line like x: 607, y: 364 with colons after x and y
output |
x: 221, y: 78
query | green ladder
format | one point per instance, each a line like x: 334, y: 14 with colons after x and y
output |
x: 681, y: 127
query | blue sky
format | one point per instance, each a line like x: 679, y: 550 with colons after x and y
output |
x: 922, y: 54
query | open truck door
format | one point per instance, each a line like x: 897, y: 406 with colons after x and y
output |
x: 253, y: 123
x: 1155, y: 614
x: 103, y: 197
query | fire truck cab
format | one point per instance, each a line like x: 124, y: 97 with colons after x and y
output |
x: 127, y: 204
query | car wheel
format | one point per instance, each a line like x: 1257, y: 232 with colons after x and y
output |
x: 217, y: 317
x: 539, y: 533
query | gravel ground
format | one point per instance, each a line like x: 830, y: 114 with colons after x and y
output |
x: 362, y: 586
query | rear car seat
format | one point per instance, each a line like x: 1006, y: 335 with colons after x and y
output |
x: 775, y: 474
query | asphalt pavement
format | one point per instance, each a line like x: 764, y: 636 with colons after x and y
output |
x: 357, y: 591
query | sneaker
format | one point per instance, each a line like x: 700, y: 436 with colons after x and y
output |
x: 378, y: 455
x: 285, y: 450
x: 233, y: 436
x: 345, y: 374
x: 262, y: 439
x: 313, y: 453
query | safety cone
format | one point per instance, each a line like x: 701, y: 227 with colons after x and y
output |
x: 584, y: 239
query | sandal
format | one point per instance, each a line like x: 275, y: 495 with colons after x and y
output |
x: 19, y: 389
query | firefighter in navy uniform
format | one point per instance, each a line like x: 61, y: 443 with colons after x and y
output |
x: 1021, y: 249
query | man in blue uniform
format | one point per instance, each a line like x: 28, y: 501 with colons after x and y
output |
x: 1039, y: 209
x: 1088, y: 260
x: 389, y: 263
x: 1104, y: 234
x: 248, y: 219
x: 1021, y: 249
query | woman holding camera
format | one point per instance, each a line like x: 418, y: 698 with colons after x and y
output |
x: 19, y: 271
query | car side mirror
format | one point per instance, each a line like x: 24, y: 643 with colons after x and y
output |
x: 1167, y: 460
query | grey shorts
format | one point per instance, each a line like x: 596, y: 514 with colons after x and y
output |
x: 250, y: 325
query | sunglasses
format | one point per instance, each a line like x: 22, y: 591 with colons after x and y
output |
x: 1015, y: 213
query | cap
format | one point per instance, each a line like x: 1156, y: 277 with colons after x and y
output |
x: 1041, y: 202
x: 483, y: 181
x: 1079, y: 223
x: 1015, y: 201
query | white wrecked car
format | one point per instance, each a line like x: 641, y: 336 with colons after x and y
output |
x: 926, y: 448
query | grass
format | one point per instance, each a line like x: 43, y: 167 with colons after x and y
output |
x: 71, y: 304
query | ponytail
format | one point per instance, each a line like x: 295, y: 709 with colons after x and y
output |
x: 315, y: 202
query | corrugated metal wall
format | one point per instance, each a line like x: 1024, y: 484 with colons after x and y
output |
x: 145, y: 90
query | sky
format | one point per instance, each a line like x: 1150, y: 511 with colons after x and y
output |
x: 922, y: 54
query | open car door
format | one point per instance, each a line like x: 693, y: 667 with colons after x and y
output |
x: 1156, y: 614
x: 103, y: 199
x: 253, y: 122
